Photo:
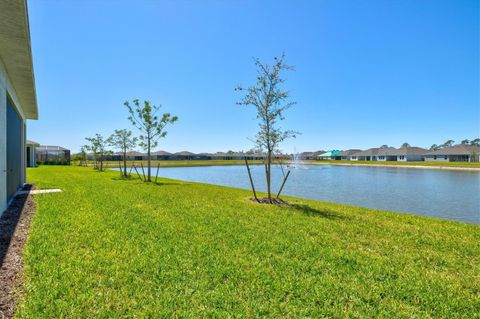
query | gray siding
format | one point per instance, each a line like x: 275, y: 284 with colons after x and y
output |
x: 14, y: 150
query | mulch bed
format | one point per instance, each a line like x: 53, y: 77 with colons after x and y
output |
x: 14, y: 226
x: 265, y: 200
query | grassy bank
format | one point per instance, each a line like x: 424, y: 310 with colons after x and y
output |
x: 175, y: 163
x: 114, y: 248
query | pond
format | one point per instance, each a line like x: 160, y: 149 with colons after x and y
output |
x: 446, y: 194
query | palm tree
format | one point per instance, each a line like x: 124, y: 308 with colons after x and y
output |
x: 475, y: 142
x: 448, y: 143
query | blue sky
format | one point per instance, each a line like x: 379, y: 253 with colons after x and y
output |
x: 367, y: 72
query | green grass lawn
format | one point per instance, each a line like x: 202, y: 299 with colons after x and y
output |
x: 114, y: 248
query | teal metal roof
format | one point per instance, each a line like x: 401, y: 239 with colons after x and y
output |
x: 330, y: 153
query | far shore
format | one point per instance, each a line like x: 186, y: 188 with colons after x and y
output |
x: 417, y: 166
x: 457, y: 166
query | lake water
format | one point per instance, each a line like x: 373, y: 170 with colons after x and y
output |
x: 446, y: 194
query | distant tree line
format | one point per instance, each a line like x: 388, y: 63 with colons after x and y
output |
x: 450, y: 143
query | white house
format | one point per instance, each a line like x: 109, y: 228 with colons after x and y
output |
x: 18, y: 100
x: 407, y: 154
x: 456, y: 153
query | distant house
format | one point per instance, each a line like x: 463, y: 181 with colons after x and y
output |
x: 328, y: 155
x: 347, y: 154
x: 374, y: 154
x: 136, y: 156
x: 31, y: 153
x: 385, y: 154
x: 366, y: 155
x: 457, y: 153
x: 161, y: 155
x: 407, y: 154
x: 310, y: 155
x: 183, y: 155
x: 204, y: 156
x: 49, y: 154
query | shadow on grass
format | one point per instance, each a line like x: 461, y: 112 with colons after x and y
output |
x: 136, y: 178
x: 310, y: 211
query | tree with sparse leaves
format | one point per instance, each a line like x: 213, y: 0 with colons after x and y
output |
x: 270, y: 101
x: 144, y: 118
x: 98, y: 146
x: 123, y: 140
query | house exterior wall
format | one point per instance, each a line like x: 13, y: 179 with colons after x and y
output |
x: 411, y: 158
x: 7, y: 92
x: 436, y: 158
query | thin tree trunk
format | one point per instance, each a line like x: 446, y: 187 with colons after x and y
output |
x: 251, y: 180
x: 269, y: 164
x: 283, y: 184
x: 149, y: 162
x: 137, y: 172
x: 143, y: 172
x: 125, y: 162
x: 158, y: 169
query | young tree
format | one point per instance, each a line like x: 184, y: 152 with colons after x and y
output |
x: 150, y: 125
x: 405, y: 145
x: 98, y: 146
x: 270, y: 101
x: 123, y: 140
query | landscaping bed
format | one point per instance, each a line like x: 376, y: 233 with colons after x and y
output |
x: 14, y: 226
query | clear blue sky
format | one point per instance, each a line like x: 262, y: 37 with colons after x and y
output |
x: 368, y: 72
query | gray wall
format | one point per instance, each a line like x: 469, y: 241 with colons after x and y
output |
x: 14, y: 150
x: 7, y: 91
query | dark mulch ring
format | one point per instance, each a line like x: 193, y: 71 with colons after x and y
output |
x: 266, y: 200
x: 14, y: 225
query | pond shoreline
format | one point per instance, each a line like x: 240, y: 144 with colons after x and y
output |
x: 454, y: 168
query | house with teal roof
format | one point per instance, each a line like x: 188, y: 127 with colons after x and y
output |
x: 329, y: 155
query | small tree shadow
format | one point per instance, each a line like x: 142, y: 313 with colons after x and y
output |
x: 310, y: 211
x: 133, y: 178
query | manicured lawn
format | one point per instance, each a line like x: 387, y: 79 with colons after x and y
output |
x: 114, y: 248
